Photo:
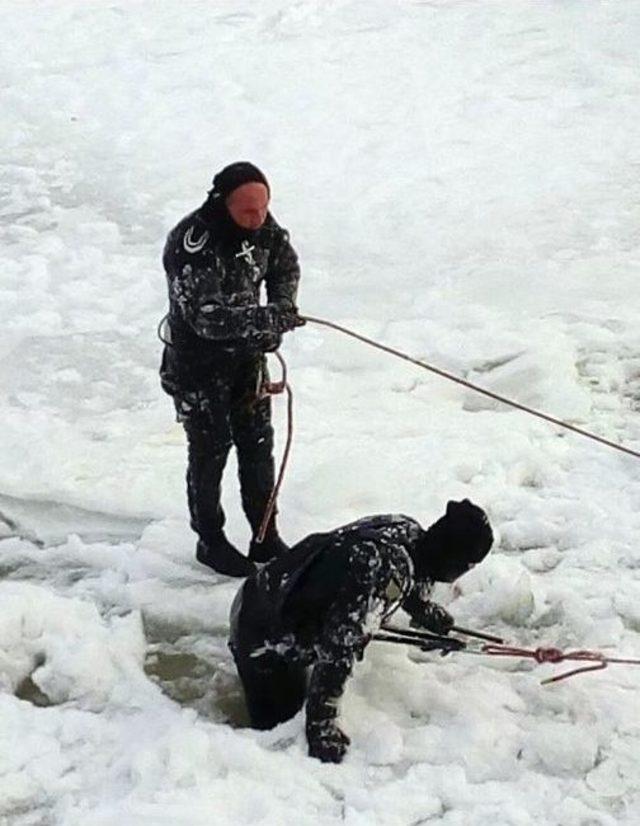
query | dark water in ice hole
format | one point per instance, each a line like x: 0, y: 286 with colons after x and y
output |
x: 196, y: 671
x: 205, y: 681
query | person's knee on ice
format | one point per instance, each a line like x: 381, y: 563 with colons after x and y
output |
x: 274, y: 686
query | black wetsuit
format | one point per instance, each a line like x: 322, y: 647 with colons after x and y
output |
x: 319, y: 606
x: 219, y: 333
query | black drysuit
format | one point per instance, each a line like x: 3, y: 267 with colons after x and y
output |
x: 215, y: 362
x: 318, y: 606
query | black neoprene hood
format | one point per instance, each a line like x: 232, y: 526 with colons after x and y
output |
x: 235, y: 175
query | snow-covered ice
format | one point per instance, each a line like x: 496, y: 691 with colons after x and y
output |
x: 461, y: 180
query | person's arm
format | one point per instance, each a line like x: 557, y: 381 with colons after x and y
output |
x: 210, y: 318
x: 207, y: 315
x: 347, y: 630
x: 424, y: 612
x: 283, y: 277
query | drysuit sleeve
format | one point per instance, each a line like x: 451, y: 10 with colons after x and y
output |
x: 210, y: 314
x: 346, y: 632
x: 424, y: 612
x: 283, y: 277
x: 210, y: 318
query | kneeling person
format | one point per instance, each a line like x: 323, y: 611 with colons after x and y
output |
x: 320, y: 605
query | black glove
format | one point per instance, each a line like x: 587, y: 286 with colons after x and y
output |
x: 435, y: 619
x: 326, y: 741
x: 268, y: 342
x: 289, y: 320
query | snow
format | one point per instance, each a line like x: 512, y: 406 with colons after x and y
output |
x: 460, y: 179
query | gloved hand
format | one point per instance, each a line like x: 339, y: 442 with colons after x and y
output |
x: 267, y: 342
x: 289, y: 320
x: 435, y: 619
x: 326, y: 741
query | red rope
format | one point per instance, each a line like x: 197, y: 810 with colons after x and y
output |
x: 555, y: 655
x: 271, y: 388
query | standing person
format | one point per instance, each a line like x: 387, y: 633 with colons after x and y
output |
x: 216, y: 260
x: 320, y: 605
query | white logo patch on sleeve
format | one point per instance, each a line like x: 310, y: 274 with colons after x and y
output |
x: 194, y: 246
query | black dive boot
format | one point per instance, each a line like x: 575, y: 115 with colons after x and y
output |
x: 270, y: 548
x: 218, y: 553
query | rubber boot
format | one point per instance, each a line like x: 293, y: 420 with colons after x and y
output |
x: 218, y: 553
x: 270, y: 548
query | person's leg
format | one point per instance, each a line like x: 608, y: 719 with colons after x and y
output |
x: 207, y: 426
x: 274, y: 688
x: 252, y: 434
x: 207, y: 456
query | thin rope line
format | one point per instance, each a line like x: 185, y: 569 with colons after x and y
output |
x: 451, y: 377
x: 271, y: 503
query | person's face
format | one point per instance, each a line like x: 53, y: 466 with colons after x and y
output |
x: 248, y: 205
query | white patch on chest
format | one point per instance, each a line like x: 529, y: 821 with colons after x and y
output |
x: 246, y: 252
